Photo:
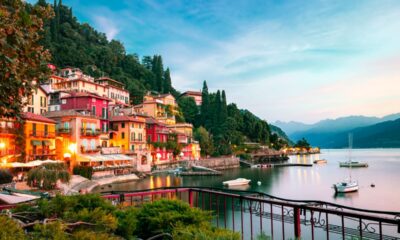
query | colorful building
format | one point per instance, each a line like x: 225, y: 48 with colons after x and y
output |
x: 37, y: 103
x: 161, y: 107
x: 196, y: 95
x: 39, y: 135
x: 129, y: 133
x: 114, y: 90
x: 77, y: 133
x: 157, y: 136
x: 8, y: 147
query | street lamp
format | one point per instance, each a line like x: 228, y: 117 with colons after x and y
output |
x: 2, y: 146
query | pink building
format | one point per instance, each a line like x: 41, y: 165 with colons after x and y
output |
x: 96, y: 105
x: 197, y: 96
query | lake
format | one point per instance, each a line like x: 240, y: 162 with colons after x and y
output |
x: 307, y: 183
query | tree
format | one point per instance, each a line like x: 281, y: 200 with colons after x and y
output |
x: 205, y: 106
x: 189, y: 109
x: 303, y: 143
x: 23, y: 61
x: 47, y: 175
x: 9, y: 229
x: 167, y: 82
x: 206, y: 142
x: 158, y: 71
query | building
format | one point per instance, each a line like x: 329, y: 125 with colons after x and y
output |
x: 8, y: 146
x: 114, y: 90
x: 196, y: 95
x: 157, y: 137
x: 37, y: 103
x: 39, y: 135
x: 161, y: 107
x: 88, y: 102
x: 129, y: 133
x: 78, y: 129
x: 184, y: 132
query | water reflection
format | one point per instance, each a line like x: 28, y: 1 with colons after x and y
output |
x: 314, y: 183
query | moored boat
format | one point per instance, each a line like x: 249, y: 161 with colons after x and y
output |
x: 346, y: 186
x: 353, y: 164
x: 237, y: 182
x: 319, y: 161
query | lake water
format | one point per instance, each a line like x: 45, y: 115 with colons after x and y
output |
x: 308, y: 183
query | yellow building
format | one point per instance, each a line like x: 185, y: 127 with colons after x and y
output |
x: 39, y: 133
x: 183, y: 128
x: 129, y: 133
x: 37, y: 103
x: 161, y: 107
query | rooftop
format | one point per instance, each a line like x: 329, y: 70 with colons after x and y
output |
x: 125, y: 118
x: 34, y: 117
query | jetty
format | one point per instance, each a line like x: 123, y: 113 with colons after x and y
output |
x: 202, y: 173
x: 272, y: 165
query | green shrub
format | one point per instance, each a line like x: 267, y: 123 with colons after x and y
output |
x: 10, y: 230
x: 84, y: 171
x: 47, y: 175
x: 204, y: 232
x: 50, y: 231
x: 5, y: 176
x: 127, y: 222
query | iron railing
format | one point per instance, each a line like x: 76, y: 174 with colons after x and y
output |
x: 252, y: 213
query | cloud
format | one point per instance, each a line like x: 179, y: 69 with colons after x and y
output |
x: 107, y: 26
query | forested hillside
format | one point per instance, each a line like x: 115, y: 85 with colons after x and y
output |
x: 79, y: 45
x: 220, y: 128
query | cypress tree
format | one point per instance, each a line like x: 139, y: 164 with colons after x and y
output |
x: 224, y: 109
x: 217, y: 113
x: 158, y: 70
x: 205, y: 106
x: 167, y: 82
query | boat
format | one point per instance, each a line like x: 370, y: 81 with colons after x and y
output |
x: 353, y: 164
x: 237, y: 182
x: 319, y: 161
x: 347, y: 185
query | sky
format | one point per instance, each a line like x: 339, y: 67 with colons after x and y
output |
x: 300, y: 60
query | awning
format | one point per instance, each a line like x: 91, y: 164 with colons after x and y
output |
x: 46, y: 143
x: 104, y: 158
x: 36, y: 143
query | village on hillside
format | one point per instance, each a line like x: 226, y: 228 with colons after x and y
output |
x: 83, y: 121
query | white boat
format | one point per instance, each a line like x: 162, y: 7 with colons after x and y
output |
x: 347, y: 185
x: 353, y: 164
x: 237, y: 182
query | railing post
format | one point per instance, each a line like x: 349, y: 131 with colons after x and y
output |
x: 190, y: 198
x: 297, y: 228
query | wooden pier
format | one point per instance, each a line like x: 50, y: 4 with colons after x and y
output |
x: 203, y: 173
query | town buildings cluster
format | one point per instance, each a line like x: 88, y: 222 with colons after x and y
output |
x: 85, y: 121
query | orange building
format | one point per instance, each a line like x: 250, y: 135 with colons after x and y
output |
x: 8, y: 147
x: 39, y: 133
x: 129, y: 133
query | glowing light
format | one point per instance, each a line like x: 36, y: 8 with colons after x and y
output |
x: 72, y: 147
x: 2, y: 145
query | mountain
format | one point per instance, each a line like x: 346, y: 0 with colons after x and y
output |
x: 278, y: 131
x: 325, y: 132
x: 381, y: 135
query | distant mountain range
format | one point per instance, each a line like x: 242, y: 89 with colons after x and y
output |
x: 280, y: 133
x: 367, y: 132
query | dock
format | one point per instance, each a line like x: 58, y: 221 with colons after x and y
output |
x: 203, y: 173
x: 272, y: 165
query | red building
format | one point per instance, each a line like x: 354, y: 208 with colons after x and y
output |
x: 157, y: 136
x: 96, y: 105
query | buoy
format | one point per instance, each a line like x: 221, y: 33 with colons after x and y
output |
x: 259, y: 183
x: 372, y: 185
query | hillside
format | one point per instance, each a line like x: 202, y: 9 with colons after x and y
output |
x: 281, y: 134
x: 381, y: 135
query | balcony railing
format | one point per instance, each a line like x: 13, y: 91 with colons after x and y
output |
x: 42, y: 134
x: 88, y: 132
x: 64, y: 131
x: 7, y: 130
x: 252, y: 213
x: 138, y: 140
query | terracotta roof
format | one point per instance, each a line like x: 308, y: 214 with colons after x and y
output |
x: 85, y: 94
x: 67, y: 113
x: 197, y: 93
x: 109, y: 79
x: 125, y: 118
x: 35, y: 117
x: 150, y: 120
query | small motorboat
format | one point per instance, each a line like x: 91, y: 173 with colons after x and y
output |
x: 353, y: 164
x: 237, y: 182
x: 346, y: 186
x: 320, y: 161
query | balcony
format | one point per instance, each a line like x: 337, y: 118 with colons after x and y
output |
x: 138, y: 140
x: 88, y: 132
x: 7, y: 130
x: 66, y: 131
x: 42, y: 134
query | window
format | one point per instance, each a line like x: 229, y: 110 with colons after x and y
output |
x: 42, y: 111
x: 133, y: 136
x: 30, y: 109
x: 104, y: 113
x: 94, y: 110
x: 123, y: 135
x: 33, y: 129
x: 158, y: 137
x: 66, y: 125
x: 92, y: 144
x: 122, y: 125
x: 133, y: 147
x: 46, y: 130
x: 64, y: 101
